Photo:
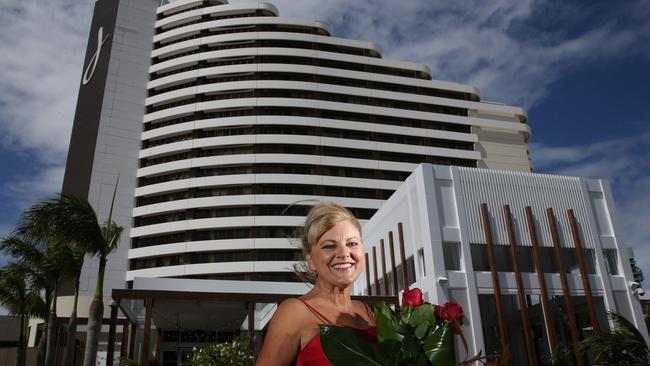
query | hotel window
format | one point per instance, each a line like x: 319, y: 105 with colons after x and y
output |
x: 611, y: 261
x: 451, y: 254
x: 423, y: 268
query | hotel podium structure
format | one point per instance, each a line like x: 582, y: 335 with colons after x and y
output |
x: 535, y: 260
x: 221, y: 124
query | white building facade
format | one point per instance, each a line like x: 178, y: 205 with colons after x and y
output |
x: 461, y: 227
x: 251, y: 118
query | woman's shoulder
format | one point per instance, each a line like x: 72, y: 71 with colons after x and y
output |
x: 292, y: 309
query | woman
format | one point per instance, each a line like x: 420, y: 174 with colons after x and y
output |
x: 332, y: 248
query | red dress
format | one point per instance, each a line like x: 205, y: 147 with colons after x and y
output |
x: 312, y: 354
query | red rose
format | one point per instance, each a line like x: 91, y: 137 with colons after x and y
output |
x: 438, y: 311
x: 412, y: 298
x: 449, y: 311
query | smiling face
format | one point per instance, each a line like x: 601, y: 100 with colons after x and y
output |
x: 337, y: 256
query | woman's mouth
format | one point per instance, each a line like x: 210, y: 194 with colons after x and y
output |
x: 342, y: 266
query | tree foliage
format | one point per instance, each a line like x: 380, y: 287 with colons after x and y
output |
x: 622, y: 346
x: 236, y: 353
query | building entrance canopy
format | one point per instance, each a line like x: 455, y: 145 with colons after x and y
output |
x: 184, y: 314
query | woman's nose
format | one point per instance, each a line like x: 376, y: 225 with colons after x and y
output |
x: 343, y: 251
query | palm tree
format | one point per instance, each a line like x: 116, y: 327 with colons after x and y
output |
x: 111, y: 238
x: 71, y: 329
x: 622, y: 346
x: 14, y: 297
x: 48, y: 264
x: 48, y: 219
x: 73, y: 220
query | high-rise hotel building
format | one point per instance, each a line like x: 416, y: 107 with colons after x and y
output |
x: 251, y: 118
x: 226, y: 122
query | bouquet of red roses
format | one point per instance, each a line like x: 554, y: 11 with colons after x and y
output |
x: 417, y: 333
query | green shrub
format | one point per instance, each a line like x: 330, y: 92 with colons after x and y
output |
x: 239, y: 352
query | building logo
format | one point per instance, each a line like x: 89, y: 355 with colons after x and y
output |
x: 92, y: 64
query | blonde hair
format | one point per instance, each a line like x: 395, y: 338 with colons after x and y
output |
x: 320, y: 219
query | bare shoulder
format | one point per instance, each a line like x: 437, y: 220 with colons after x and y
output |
x: 290, y: 309
x: 282, y: 341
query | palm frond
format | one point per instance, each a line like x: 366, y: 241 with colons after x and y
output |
x: 623, y: 344
x: 13, y: 289
x: 21, y: 249
x: 61, y: 218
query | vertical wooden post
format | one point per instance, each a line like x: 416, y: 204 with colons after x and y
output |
x: 402, y: 253
x: 374, y: 270
x: 583, y: 270
x: 124, y: 346
x: 148, y: 303
x: 573, y: 326
x: 110, y: 351
x: 521, y: 295
x: 368, y: 275
x: 251, y: 320
x: 383, y: 266
x: 549, y: 319
x: 393, y: 266
x: 487, y: 231
x: 157, y: 353
x: 134, y: 329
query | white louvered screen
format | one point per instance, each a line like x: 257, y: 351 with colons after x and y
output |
x: 518, y: 190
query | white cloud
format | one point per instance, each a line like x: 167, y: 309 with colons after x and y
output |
x: 25, y: 190
x: 492, y: 45
x: 41, y: 54
x: 42, y: 46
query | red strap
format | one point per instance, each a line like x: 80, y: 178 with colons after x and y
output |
x: 371, y: 315
x: 316, y: 312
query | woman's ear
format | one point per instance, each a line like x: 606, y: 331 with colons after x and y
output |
x: 310, y: 264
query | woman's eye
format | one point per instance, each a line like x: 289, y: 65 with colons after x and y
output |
x: 353, y: 243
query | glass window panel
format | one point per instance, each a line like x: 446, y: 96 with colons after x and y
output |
x: 451, y: 254
x: 611, y: 261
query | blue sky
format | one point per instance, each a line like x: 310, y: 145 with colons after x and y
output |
x: 580, y: 68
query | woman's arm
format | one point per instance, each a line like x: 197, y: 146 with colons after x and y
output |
x: 282, y: 341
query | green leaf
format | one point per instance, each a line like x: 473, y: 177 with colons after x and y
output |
x: 421, y: 330
x: 411, y: 347
x: 343, y: 346
x: 406, y: 312
x: 389, y: 352
x: 388, y: 326
x: 438, y: 346
x: 422, y: 315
